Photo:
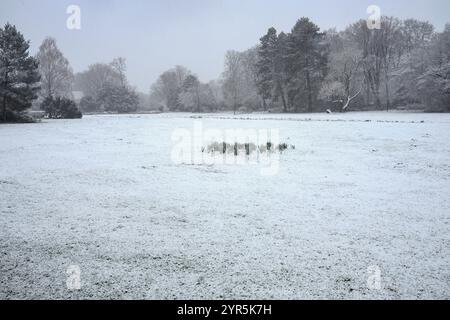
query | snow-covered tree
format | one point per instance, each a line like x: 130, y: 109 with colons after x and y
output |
x: 98, y: 75
x: 197, y: 96
x: 434, y: 84
x: 190, y: 94
x: 265, y: 65
x: 120, y: 66
x: 56, y: 74
x: 60, y: 108
x: 167, y: 89
x: 233, y: 80
x: 272, y: 78
x: 105, y: 88
x: 306, y: 59
x: 119, y: 99
x: 416, y: 34
x: 19, y: 72
x: 343, y: 83
x: 381, y: 50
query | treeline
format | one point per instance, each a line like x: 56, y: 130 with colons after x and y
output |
x: 405, y: 64
x: 46, y: 82
x: 105, y: 88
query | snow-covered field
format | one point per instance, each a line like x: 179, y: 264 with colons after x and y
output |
x: 360, y: 190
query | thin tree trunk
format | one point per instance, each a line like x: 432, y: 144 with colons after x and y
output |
x: 198, y: 101
x: 4, y: 97
x: 283, y: 99
x: 376, y: 93
x: 308, y: 88
x: 349, y: 100
x: 378, y: 101
x: 234, y: 101
x: 388, y: 101
x: 4, y: 108
x: 367, y: 95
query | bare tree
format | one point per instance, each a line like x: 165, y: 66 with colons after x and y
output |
x: 343, y: 82
x: 190, y: 96
x: 167, y: 89
x: 416, y: 33
x: 56, y: 74
x: 96, y: 77
x: 391, y: 49
x: 379, y: 48
x: 120, y: 66
x: 233, y: 79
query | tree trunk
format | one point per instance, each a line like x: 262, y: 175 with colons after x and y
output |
x: 345, y: 106
x: 388, y: 101
x: 198, y: 100
x: 367, y: 95
x: 308, y: 89
x: 4, y: 108
x: 283, y: 99
x: 349, y: 100
x: 4, y: 97
x: 378, y: 101
x: 376, y: 93
x: 234, y: 102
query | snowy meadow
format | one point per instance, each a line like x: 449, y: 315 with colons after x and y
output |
x: 358, y: 209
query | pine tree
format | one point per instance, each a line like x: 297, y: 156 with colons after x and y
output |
x: 280, y: 70
x: 265, y: 64
x: 307, y: 59
x: 271, y: 67
x: 18, y: 72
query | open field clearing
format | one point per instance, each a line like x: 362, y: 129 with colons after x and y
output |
x: 360, y: 190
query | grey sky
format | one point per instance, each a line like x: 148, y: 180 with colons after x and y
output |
x: 155, y: 35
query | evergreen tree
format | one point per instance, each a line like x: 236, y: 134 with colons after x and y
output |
x: 19, y: 76
x: 280, y: 70
x: 60, y: 108
x: 307, y: 59
x: 265, y: 64
x: 271, y: 67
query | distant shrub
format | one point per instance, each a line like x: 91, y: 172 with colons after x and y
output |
x: 60, y: 108
x: 89, y: 104
x: 19, y: 117
x: 118, y: 99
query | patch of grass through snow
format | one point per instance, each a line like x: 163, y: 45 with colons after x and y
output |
x: 245, y: 148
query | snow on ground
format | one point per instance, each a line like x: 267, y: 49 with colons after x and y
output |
x: 359, y: 190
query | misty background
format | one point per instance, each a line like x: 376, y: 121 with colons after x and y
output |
x: 154, y: 36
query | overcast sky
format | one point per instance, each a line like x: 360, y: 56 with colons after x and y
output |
x: 155, y: 35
